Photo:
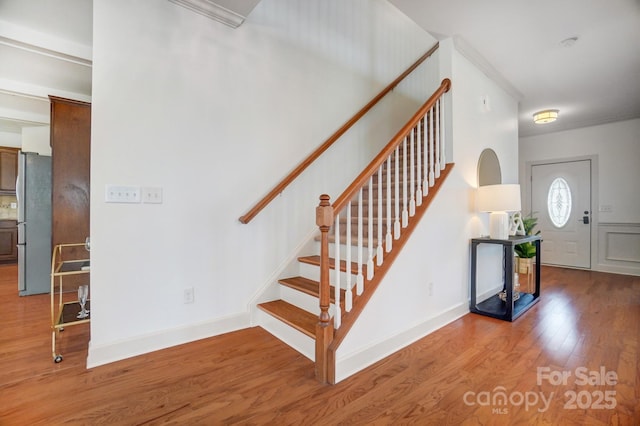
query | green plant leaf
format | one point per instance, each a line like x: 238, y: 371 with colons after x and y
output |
x: 528, y: 250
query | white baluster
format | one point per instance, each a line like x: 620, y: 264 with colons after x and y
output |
x: 370, y: 231
x: 437, y: 130
x: 412, y: 183
x: 379, y: 250
x: 337, y: 318
x: 431, y: 142
x: 360, y: 277
x: 396, y: 225
x: 443, y: 141
x: 348, y: 297
x: 405, y: 213
x: 419, y: 165
x: 389, y: 239
x: 425, y: 152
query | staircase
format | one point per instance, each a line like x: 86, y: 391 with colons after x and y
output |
x: 365, y: 228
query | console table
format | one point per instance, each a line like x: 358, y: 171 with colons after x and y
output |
x: 494, y: 307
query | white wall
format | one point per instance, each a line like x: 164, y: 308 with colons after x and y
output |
x: 36, y: 139
x: 428, y: 285
x: 616, y: 147
x: 216, y: 117
x: 10, y: 139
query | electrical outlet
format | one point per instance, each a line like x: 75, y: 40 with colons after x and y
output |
x: 122, y: 194
x: 152, y: 195
x: 188, y: 296
x: 430, y: 289
x: 606, y: 208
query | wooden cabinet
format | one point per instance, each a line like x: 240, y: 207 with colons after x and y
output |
x: 8, y: 170
x: 8, y: 241
x: 70, y: 170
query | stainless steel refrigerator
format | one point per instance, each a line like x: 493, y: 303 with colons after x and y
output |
x: 33, y: 191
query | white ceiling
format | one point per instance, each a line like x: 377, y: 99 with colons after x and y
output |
x: 595, y: 81
x: 46, y: 48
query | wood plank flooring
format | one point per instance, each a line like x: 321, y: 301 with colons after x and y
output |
x: 453, y: 376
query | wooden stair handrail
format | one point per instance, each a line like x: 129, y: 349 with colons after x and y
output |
x: 342, y: 201
x: 247, y: 217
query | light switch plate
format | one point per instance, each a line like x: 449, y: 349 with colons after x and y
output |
x: 152, y: 195
x: 122, y: 194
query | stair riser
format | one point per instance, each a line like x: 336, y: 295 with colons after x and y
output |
x: 301, y: 300
x: 313, y: 272
x: 289, y: 335
x: 354, y: 252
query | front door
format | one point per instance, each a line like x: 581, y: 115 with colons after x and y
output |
x: 561, y: 200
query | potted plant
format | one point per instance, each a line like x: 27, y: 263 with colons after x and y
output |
x: 525, y: 255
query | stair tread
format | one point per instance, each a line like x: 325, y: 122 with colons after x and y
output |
x: 353, y: 239
x: 310, y: 287
x: 297, y: 318
x: 315, y: 260
x: 302, y: 284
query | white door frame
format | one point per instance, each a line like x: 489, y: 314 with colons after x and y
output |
x: 595, y: 219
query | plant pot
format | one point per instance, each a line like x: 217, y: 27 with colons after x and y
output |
x: 526, y: 269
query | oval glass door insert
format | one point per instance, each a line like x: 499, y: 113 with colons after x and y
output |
x: 559, y: 202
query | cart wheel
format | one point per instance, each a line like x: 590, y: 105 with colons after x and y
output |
x: 57, y: 359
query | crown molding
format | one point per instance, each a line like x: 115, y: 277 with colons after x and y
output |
x: 27, y: 39
x: 469, y: 52
x: 213, y: 11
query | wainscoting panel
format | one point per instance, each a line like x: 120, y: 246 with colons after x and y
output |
x: 619, y: 248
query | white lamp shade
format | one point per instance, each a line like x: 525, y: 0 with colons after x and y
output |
x: 499, y: 199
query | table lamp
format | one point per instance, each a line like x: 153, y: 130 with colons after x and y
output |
x: 499, y: 200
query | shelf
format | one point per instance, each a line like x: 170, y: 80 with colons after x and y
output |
x: 68, y: 315
x: 511, y: 241
x: 71, y: 267
x: 496, y: 308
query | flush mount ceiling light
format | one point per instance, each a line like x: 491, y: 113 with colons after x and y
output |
x: 569, y: 42
x: 546, y: 116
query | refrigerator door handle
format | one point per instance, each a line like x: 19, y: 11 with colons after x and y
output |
x: 22, y: 269
x: 20, y: 185
x: 21, y: 233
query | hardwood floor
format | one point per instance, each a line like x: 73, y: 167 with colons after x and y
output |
x: 453, y: 376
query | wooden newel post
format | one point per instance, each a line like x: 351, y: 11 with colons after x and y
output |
x: 324, y: 219
x: 324, y: 329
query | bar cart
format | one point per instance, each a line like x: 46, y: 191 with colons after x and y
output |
x: 69, y: 262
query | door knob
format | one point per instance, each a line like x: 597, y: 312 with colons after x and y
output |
x: 585, y: 218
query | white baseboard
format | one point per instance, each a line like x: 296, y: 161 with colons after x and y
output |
x: 614, y: 269
x: 355, y: 362
x: 105, y: 354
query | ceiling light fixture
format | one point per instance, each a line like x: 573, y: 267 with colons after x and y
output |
x: 546, y: 116
x: 569, y: 42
